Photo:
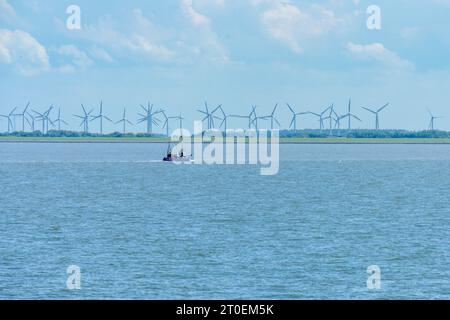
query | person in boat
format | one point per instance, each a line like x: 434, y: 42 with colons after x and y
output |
x: 169, y: 155
x: 181, y: 153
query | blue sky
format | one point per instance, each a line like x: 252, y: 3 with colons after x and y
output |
x: 179, y: 53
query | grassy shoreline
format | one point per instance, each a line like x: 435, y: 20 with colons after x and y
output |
x: 12, y: 139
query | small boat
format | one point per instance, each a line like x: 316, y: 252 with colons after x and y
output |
x: 176, y: 157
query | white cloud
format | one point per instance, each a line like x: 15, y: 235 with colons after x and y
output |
x: 100, y: 54
x: 291, y: 25
x: 195, y: 17
x: 7, y: 12
x: 378, y: 53
x: 135, y: 36
x: 20, y: 49
x: 203, y: 41
x: 78, y: 58
x: 140, y: 39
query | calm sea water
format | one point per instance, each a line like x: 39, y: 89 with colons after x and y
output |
x: 140, y: 228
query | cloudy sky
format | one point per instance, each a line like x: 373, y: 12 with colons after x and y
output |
x: 179, y: 53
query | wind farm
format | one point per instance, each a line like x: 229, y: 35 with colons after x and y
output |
x: 332, y: 123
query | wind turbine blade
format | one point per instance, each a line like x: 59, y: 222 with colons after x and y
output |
x: 383, y: 107
x: 369, y: 110
x: 218, y: 107
x: 324, y: 111
x: 277, y: 122
x: 274, y: 109
x: 290, y: 108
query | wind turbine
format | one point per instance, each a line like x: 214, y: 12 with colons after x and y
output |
x: 59, y: 120
x: 31, y: 122
x: 350, y: 115
x: 330, y: 118
x: 272, y: 118
x: 85, y: 118
x: 23, y: 116
x: 264, y: 118
x: 224, y: 119
x: 180, y: 118
x: 209, y: 116
x: 431, y: 126
x: 101, y: 117
x: 255, y: 118
x: 166, y: 122
x: 45, y: 118
x: 337, y: 119
x: 322, y: 118
x: 8, y: 117
x: 124, y: 120
x: 294, y: 117
x: 149, y: 117
x: 219, y: 107
x: 376, y: 113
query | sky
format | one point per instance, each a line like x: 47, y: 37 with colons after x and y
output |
x: 179, y: 53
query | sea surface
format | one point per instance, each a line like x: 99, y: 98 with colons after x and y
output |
x: 139, y: 228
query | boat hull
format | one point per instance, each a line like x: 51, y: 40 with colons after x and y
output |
x: 176, y: 159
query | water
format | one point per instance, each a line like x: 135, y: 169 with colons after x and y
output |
x: 140, y: 228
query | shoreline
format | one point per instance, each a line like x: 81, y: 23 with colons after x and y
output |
x: 286, y: 141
